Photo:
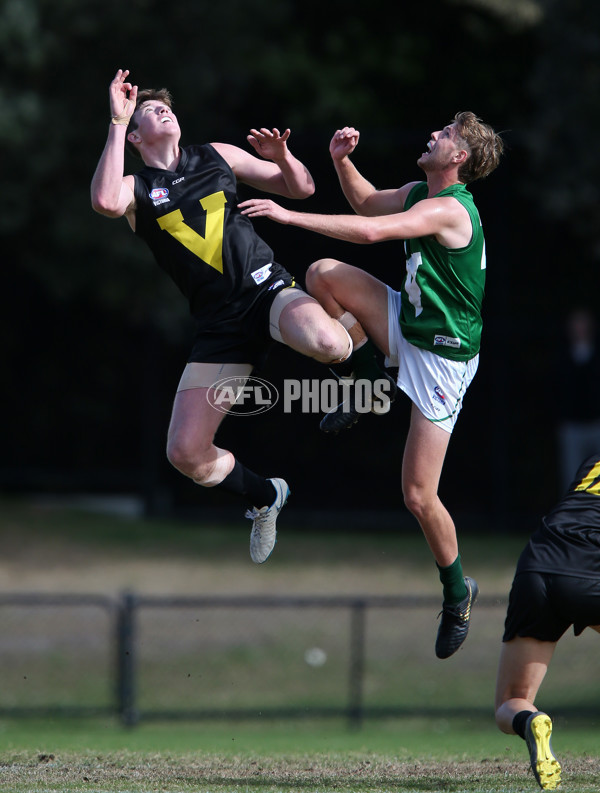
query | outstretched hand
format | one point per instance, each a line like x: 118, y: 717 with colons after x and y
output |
x: 264, y: 208
x: 122, y: 96
x: 343, y: 142
x: 269, y: 143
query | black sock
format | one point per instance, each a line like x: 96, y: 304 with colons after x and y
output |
x: 256, y: 489
x: 361, y: 363
x: 344, y: 368
x: 519, y: 722
x: 365, y: 363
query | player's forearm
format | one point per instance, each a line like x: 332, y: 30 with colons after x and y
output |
x: 360, y: 230
x: 296, y: 177
x: 108, y: 177
x: 355, y: 187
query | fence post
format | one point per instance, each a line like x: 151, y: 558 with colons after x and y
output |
x: 357, y: 663
x: 126, y: 683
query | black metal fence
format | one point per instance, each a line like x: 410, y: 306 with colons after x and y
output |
x: 144, y: 657
x: 141, y: 657
x: 349, y: 654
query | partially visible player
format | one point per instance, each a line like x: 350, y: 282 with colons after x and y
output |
x: 183, y: 204
x: 556, y: 585
x: 431, y: 329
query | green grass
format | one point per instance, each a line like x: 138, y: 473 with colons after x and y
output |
x: 400, y: 755
x: 76, y: 551
x: 409, y: 737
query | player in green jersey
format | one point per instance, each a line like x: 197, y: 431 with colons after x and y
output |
x: 430, y: 329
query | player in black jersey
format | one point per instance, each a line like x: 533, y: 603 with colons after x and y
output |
x: 183, y: 204
x: 556, y: 585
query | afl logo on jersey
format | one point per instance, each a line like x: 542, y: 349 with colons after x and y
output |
x: 159, y: 195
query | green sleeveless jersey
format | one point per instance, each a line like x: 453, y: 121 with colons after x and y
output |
x: 443, y: 290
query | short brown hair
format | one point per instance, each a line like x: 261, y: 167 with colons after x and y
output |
x: 485, y: 147
x: 146, y: 95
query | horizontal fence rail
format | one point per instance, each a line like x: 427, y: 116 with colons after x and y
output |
x: 145, y: 657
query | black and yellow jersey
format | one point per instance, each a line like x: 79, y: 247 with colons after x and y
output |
x: 568, y: 541
x: 190, y: 219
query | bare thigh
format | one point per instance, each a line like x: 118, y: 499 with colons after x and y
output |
x: 342, y: 287
x: 306, y: 327
x: 194, y: 421
x: 424, y: 454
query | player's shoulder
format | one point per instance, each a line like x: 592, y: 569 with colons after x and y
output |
x: 416, y: 191
x: 229, y: 152
x: 409, y: 186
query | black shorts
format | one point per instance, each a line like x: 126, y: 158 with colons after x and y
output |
x: 544, y: 605
x: 244, y: 335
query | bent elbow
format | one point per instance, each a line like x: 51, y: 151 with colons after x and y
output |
x: 363, y: 209
x: 104, y: 207
x: 305, y: 192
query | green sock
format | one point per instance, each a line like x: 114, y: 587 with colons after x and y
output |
x: 453, y: 582
x: 365, y: 364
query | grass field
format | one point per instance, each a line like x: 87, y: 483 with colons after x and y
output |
x: 60, y: 550
x: 292, y: 757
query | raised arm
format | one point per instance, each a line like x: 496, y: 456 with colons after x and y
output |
x: 111, y: 191
x: 362, y: 196
x: 275, y: 171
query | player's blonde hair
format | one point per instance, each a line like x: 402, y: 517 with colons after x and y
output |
x: 484, y: 145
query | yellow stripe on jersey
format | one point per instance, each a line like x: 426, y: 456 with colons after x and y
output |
x: 586, y: 482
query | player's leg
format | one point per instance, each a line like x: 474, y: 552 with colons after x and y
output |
x: 359, y: 302
x: 341, y: 288
x: 521, y: 670
x: 424, y: 455
x: 301, y: 323
x: 197, y: 414
x: 523, y: 665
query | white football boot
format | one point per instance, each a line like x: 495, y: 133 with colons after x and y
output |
x: 264, y: 533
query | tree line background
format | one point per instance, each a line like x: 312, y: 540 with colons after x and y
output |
x: 95, y: 336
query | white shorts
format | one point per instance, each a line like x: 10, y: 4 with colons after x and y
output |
x: 436, y: 385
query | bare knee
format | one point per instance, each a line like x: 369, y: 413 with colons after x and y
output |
x: 190, y: 460
x: 416, y: 501
x: 501, y: 722
x: 332, y: 344
x: 319, y: 275
x: 506, y: 711
x: 206, y: 466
